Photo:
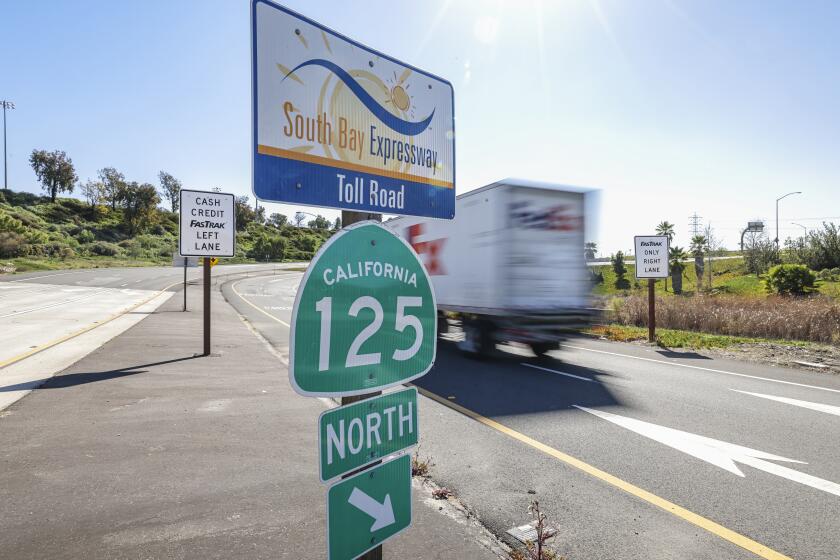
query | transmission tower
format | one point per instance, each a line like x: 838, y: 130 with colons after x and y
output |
x: 695, y: 225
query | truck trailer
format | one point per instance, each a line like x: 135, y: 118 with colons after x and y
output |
x: 510, y: 265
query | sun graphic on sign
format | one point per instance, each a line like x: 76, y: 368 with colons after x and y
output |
x: 399, y: 96
x: 338, y: 100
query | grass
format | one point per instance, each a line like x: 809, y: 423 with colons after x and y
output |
x: 814, y: 318
x: 728, y: 277
x: 672, y: 338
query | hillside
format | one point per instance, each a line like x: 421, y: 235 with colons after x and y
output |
x: 36, y: 234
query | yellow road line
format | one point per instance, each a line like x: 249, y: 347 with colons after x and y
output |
x: 716, y: 529
x: 261, y: 310
x: 70, y: 336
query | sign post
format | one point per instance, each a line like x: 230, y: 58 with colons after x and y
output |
x: 651, y: 262
x: 207, y: 228
x: 337, y: 124
x: 364, y: 319
x: 184, y: 262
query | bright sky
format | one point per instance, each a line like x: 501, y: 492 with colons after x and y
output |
x: 669, y: 107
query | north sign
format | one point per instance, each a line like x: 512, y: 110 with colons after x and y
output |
x: 361, y: 433
x: 207, y: 224
x: 651, y: 256
x: 368, y: 508
x: 364, y: 317
x: 341, y: 125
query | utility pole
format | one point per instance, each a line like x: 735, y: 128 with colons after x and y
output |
x: 695, y: 224
x: 6, y: 105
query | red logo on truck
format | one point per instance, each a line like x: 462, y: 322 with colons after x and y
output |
x: 430, y: 250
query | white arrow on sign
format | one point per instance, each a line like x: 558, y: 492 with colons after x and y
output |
x: 716, y: 452
x: 383, y: 514
x: 827, y: 408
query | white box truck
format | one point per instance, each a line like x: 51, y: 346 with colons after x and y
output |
x: 510, y: 265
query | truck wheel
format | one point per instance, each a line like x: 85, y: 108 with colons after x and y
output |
x: 543, y: 348
x: 442, y: 324
x: 478, y: 337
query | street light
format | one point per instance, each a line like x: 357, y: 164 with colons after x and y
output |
x: 6, y: 105
x: 777, y: 214
x: 804, y: 229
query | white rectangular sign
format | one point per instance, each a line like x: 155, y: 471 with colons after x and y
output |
x: 208, y: 224
x: 179, y: 260
x: 651, y: 256
x: 341, y: 125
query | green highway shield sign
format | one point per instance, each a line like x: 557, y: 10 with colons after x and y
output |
x: 355, y: 435
x: 368, y: 508
x: 364, y: 317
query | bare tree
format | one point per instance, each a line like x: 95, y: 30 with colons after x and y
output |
x: 93, y: 191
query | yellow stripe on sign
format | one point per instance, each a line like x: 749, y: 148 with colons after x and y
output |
x: 716, y: 529
x: 339, y: 164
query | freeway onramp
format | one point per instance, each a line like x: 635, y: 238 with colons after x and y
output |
x: 656, y: 453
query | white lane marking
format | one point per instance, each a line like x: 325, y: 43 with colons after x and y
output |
x: 719, y: 453
x: 263, y: 311
x: 701, y: 368
x: 57, y: 304
x: 558, y: 372
x: 285, y: 277
x: 28, y: 278
x: 214, y: 406
x: 123, y: 285
x: 827, y: 408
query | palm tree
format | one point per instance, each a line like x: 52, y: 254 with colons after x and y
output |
x: 590, y: 250
x: 666, y: 228
x: 676, y: 256
x: 699, y: 244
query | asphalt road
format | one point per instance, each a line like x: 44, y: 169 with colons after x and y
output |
x: 634, y: 452
x: 48, y: 320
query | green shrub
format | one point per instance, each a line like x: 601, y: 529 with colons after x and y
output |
x: 86, y: 236
x: 66, y: 253
x: 269, y: 247
x: 790, y: 279
x: 105, y: 249
x: 8, y: 223
x: 12, y: 244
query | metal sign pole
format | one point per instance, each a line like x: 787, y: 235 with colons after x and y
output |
x: 348, y: 218
x: 651, y: 312
x: 185, y: 282
x: 206, y: 306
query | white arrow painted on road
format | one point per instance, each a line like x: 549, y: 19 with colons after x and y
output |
x: 827, y: 408
x: 719, y: 453
x: 383, y: 514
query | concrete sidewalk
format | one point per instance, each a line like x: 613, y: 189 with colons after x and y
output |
x: 142, y: 450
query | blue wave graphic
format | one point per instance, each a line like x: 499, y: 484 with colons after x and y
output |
x: 390, y: 120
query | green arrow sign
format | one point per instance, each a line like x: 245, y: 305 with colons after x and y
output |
x: 358, y: 434
x: 368, y: 508
x: 364, y: 316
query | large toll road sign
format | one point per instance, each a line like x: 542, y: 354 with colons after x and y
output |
x: 364, y: 317
x: 340, y: 125
x: 207, y: 224
x: 361, y: 433
x: 368, y: 508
